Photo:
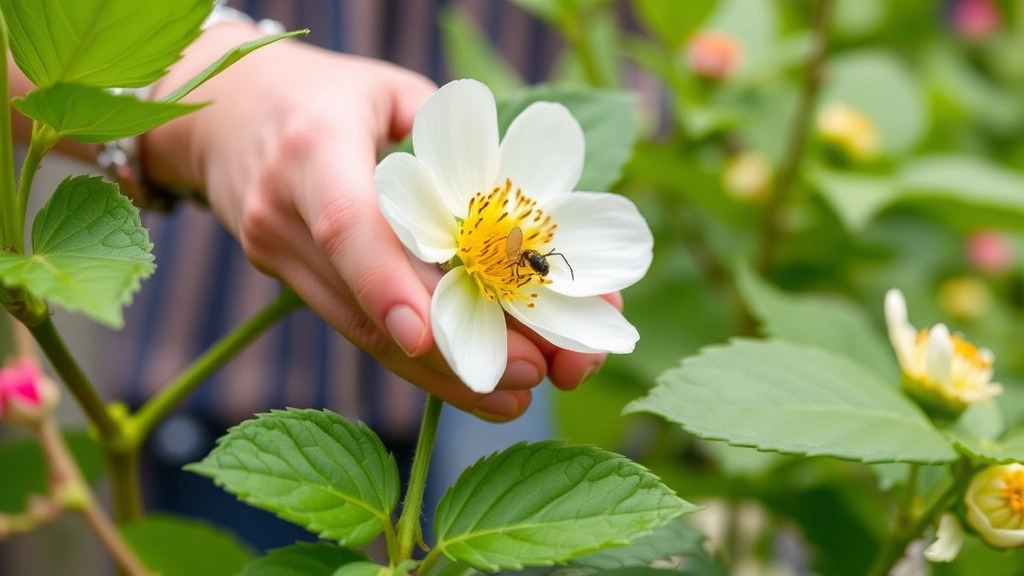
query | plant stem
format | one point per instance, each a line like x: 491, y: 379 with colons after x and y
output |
x: 74, y: 379
x: 126, y: 486
x: 575, y: 34
x: 789, y: 172
x: 12, y: 234
x: 43, y: 140
x: 409, y: 529
x: 216, y: 356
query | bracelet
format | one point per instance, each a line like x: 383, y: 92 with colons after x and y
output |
x: 121, y: 159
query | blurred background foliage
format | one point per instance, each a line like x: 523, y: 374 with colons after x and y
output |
x: 911, y: 175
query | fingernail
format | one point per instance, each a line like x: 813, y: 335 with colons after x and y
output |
x: 521, y: 373
x: 591, y: 370
x: 498, y: 406
x: 406, y: 327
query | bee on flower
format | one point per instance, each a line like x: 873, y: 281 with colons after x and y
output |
x: 941, y: 371
x: 503, y: 220
x: 995, y: 505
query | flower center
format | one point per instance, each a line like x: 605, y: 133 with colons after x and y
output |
x: 1013, y: 491
x: 501, y: 243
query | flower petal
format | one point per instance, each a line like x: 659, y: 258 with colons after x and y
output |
x: 603, y: 238
x: 543, y: 151
x: 579, y: 324
x: 938, y: 356
x: 901, y: 333
x: 469, y: 331
x: 456, y: 134
x: 949, y: 539
x: 410, y: 202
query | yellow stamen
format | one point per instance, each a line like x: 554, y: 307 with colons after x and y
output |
x: 1013, y: 492
x: 483, y: 242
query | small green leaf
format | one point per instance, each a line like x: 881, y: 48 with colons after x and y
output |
x: 855, y: 198
x: 104, y: 43
x: 830, y: 324
x: 90, y: 251
x: 470, y: 55
x: 175, y: 546
x: 784, y: 397
x: 25, y: 456
x: 225, y: 61
x: 364, y: 569
x: 1010, y: 448
x: 673, y: 21
x: 303, y: 559
x: 90, y: 114
x: 313, y: 468
x: 609, y: 124
x: 538, y: 504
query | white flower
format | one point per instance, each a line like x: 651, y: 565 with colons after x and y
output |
x: 995, y: 505
x: 941, y: 370
x: 949, y: 538
x: 519, y: 240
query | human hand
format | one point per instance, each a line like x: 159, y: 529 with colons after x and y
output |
x: 286, y: 154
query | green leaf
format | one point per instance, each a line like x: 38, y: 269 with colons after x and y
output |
x: 90, y: 114
x: 303, y: 559
x: 671, y: 20
x: 538, y: 504
x: 90, y: 251
x: 105, y: 43
x: 609, y: 124
x: 827, y: 323
x: 470, y: 55
x: 675, y: 541
x: 365, y: 569
x: 313, y: 468
x: 1010, y: 448
x: 783, y: 397
x: 25, y: 456
x: 879, y: 86
x: 754, y: 24
x: 855, y: 198
x: 225, y: 61
x: 175, y: 546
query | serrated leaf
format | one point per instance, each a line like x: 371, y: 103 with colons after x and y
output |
x: 609, y: 126
x: 90, y: 251
x: 1009, y: 448
x: 176, y: 546
x: 470, y: 55
x: 829, y: 324
x: 784, y: 397
x: 310, y: 467
x: 91, y: 114
x: 105, y: 43
x: 25, y: 456
x: 225, y: 61
x: 303, y: 559
x: 675, y: 540
x: 538, y: 504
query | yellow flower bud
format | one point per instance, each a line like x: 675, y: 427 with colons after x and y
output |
x: 995, y: 505
x: 848, y: 130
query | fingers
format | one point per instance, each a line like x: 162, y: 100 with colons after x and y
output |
x: 409, y: 92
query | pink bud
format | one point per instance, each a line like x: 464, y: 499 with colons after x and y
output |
x: 713, y: 55
x: 990, y: 251
x: 975, y: 19
x: 26, y: 394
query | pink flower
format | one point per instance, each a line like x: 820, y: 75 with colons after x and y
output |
x: 975, y: 19
x: 713, y: 55
x: 26, y: 394
x: 990, y: 251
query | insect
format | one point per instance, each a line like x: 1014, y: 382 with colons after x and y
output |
x: 535, y: 260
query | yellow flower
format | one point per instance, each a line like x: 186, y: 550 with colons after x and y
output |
x: 747, y: 177
x: 995, y: 505
x: 941, y: 371
x: 849, y: 130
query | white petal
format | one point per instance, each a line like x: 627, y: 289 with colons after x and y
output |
x: 543, y: 151
x: 948, y: 540
x: 579, y: 324
x: 938, y: 355
x: 456, y: 134
x: 410, y: 202
x: 901, y: 333
x: 469, y: 331
x: 603, y: 238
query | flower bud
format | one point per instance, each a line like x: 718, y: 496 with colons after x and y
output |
x: 849, y: 131
x: 747, y: 177
x: 995, y: 505
x: 964, y: 297
x: 990, y: 251
x: 974, y: 20
x: 713, y: 55
x: 26, y: 394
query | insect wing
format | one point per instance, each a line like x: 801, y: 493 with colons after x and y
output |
x: 514, y: 244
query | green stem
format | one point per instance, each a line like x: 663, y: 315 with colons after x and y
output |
x: 789, y: 171
x: 409, y: 529
x: 74, y: 378
x: 158, y: 407
x: 575, y: 34
x: 12, y: 234
x: 126, y: 487
x: 43, y: 140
